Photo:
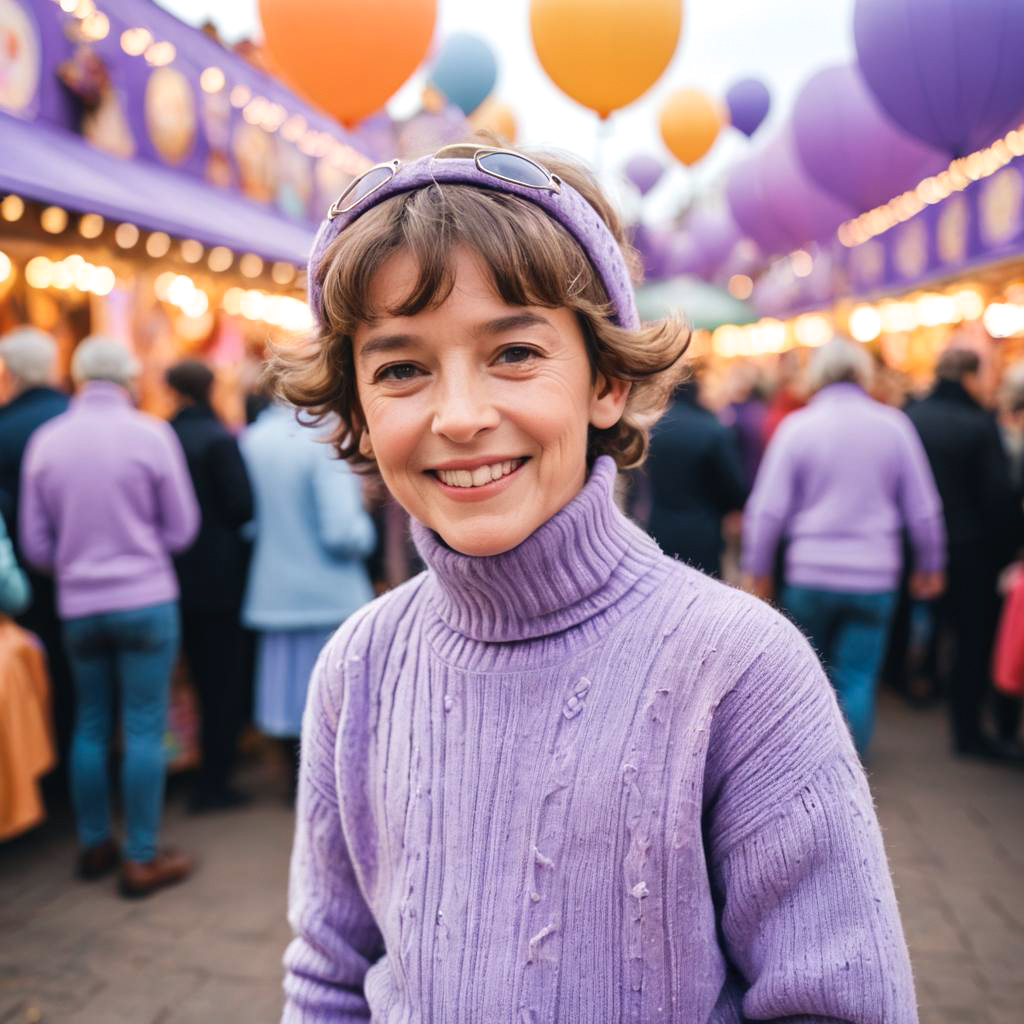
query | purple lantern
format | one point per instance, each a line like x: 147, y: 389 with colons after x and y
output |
x: 804, y: 212
x: 951, y: 73
x: 748, y: 101
x: 850, y: 147
x: 644, y: 171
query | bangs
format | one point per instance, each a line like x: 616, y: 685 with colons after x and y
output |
x: 531, y: 259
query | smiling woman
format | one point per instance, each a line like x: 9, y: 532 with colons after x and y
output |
x: 557, y: 776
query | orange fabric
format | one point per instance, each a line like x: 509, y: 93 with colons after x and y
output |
x: 26, y: 738
x: 1008, y: 657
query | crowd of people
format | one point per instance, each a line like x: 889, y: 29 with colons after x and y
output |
x: 127, y: 542
x: 134, y: 541
x: 883, y: 532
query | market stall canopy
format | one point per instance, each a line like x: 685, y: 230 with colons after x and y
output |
x: 703, y: 305
x: 54, y: 166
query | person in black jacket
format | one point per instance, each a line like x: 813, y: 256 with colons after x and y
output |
x: 695, y: 477
x: 211, y: 575
x: 29, y: 358
x: 984, y: 528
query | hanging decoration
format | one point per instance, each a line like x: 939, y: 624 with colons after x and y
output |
x: 690, y: 121
x: 749, y: 102
x: 464, y: 71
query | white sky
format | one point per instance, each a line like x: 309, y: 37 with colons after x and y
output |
x: 780, y: 41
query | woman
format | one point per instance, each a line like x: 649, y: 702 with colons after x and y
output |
x: 841, y: 480
x: 557, y: 776
x: 306, y: 575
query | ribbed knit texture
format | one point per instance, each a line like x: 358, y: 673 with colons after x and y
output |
x: 580, y: 782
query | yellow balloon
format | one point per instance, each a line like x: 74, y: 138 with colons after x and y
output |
x: 690, y: 122
x: 496, y: 117
x: 605, y: 53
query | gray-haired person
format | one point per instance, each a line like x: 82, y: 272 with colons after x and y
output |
x: 29, y: 369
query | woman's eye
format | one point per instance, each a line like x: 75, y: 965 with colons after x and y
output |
x: 397, y: 372
x: 517, y: 354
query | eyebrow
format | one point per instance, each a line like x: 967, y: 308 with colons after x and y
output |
x: 383, y: 343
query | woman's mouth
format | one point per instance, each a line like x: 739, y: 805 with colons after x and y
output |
x: 479, y: 476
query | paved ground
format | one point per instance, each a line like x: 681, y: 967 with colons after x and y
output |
x: 209, y: 951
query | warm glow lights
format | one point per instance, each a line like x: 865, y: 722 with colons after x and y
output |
x: 1003, y: 319
x: 969, y: 304
x: 67, y: 6
x: 191, y: 250
x: 961, y: 172
x: 280, y: 310
x: 126, y: 235
x: 740, y: 286
x: 181, y: 291
x: 865, y: 323
x: 96, y: 26
x: 898, y: 317
x: 293, y: 128
x: 240, y: 95
x: 158, y: 244
x: 282, y: 273
x: 54, y: 220
x: 801, y: 263
x: 135, y: 41
x: 219, y: 258
x: 160, y: 54
x: 12, y: 207
x: 934, y: 309
x: 71, y: 272
x: 212, y: 80
x: 90, y: 225
x: 250, y: 265
x: 5, y: 266
x: 812, y: 329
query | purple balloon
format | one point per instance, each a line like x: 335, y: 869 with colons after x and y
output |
x: 644, y: 171
x: 748, y: 101
x: 683, y: 256
x: 653, y: 245
x: 950, y: 73
x: 850, y: 147
x: 804, y: 212
x: 714, y: 233
x: 745, y: 194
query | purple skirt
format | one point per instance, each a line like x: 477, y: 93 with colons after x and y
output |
x: 284, y: 661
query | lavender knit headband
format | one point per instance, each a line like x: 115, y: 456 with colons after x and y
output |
x: 567, y: 207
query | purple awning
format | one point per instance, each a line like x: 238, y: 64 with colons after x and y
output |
x: 49, y: 165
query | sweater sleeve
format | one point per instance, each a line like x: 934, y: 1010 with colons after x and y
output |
x: 808, y: 913
x: 768, y: 509
x: 920, y: 504
x: 336, y: 937
x: 345, y: 527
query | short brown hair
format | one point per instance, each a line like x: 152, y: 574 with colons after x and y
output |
x: 532, y: 260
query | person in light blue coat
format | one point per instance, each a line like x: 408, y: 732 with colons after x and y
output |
x: 14, y: 589
x: 311, y: 536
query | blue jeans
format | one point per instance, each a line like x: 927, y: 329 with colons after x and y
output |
x: 134, y: 650
x: 850, y: 632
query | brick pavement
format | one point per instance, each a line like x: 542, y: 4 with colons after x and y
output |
x: 209, y: 951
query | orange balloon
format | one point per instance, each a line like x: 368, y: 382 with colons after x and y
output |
x: 605, y: 53
x: 347, y: 57
x: 690, y: 122
x: 499, y: 118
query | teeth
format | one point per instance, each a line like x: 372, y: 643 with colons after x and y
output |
x: 479, y: 476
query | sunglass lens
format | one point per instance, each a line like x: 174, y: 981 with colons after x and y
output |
x: 515, y: 168
x: 362, y: 187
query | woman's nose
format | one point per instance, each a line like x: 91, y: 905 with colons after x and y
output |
x: 464, y: 410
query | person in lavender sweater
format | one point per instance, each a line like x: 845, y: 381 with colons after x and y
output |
x: 840, y: 482
x: 558, y: 776
x: 105, y: 499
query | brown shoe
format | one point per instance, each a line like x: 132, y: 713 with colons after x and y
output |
x: 140, y: 878
x: 99, y: 860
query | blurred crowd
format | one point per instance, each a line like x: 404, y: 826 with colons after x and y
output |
x: 136, y: 550
x: 889, y: 524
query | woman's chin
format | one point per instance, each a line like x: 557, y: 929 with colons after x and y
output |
x: 482, y: 539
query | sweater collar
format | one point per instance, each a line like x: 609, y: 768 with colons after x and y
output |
x: 102, y: 392
x: 953, y: 391
x: 841, y: 389
x: 570, y: 570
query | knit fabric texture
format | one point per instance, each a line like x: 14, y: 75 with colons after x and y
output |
x: 581, y: 782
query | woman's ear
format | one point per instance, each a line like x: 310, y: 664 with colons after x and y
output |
x: 365, y: 444
x: 608, y: 401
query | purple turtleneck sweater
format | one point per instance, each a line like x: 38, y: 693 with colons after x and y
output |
x: 581, y: 782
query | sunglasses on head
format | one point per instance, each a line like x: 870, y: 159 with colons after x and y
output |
x: 503, y: 164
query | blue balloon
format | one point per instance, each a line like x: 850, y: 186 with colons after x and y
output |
x: 465, y: 71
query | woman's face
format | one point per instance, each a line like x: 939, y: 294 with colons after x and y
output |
x: 477, y: 412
